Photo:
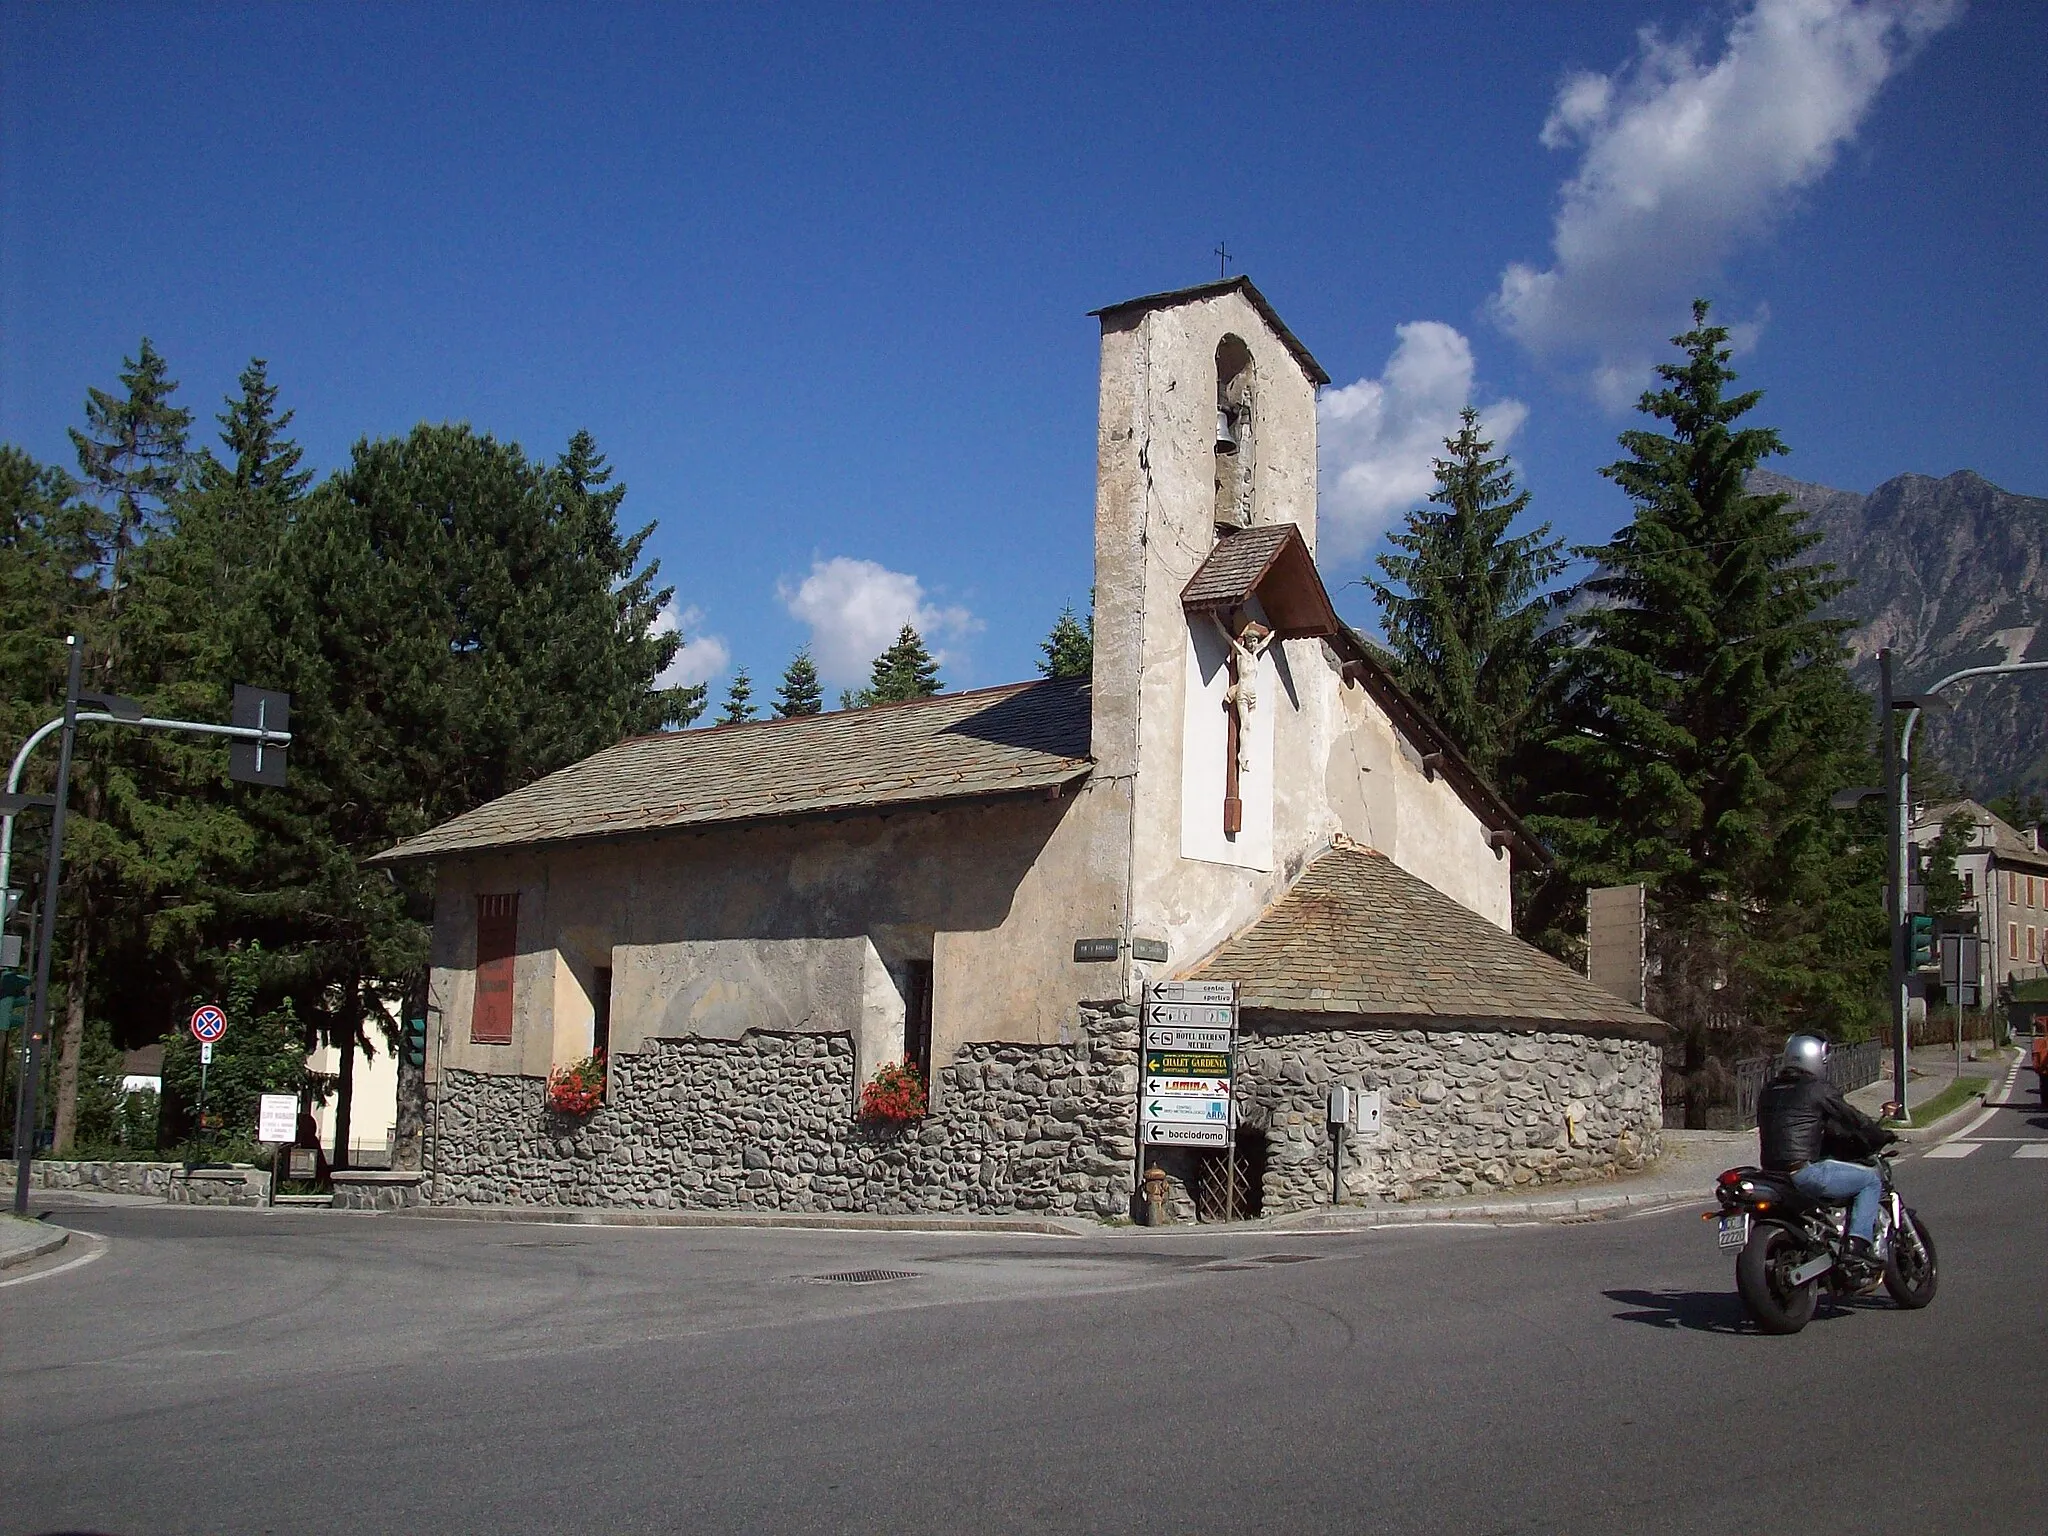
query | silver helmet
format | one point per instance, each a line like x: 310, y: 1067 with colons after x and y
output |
x: 1806, y: 1053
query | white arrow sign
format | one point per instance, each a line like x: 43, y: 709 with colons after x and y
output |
x: 1189, y: 1087
x: 1187, y: 1135
x: 1188, y: 1111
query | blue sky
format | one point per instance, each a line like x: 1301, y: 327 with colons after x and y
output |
x: 817, y: 276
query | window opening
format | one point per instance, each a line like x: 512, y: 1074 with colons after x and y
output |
x: 601, y: 1011
x: 917, y: 1018
x: 497, y: 946
x: 1234, y: 435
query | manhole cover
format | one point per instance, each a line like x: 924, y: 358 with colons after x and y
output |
x: 1574, y: 1221
x: 864, y: 1277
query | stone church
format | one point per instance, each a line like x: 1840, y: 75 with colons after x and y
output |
x: 751, y: 919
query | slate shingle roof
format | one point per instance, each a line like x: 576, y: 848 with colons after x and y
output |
x: 993, y: 741
x: 1360, y: 935
x: 1273, y: 562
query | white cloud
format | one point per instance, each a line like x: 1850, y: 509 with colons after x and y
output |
x: 1684, y: 158
x: 856, y: 608
x: 1381, y: 437
x: 702, y: 657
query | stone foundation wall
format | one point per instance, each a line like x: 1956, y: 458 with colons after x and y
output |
x: 1462, y: 1111
x: 767, y: 1122
x: 113, y: 1178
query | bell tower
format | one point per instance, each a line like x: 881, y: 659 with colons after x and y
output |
x: 1206, y: 428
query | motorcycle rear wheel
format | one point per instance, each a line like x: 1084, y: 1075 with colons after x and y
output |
x: 1760, y: 1270
x: 1912, y: 1281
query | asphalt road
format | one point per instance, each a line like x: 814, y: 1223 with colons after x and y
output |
x: 223, y: 1371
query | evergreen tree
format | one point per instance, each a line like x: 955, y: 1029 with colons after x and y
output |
x: 739, y: 699
x: 131, y: 456
x: 1069, y: 651
x: 263, y: 459
x: 799, y: 693
x: 1464, y: 604
x: 904, y: 671
x: 1709, y: 718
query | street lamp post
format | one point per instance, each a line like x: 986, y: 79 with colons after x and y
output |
x: 1898, y: 757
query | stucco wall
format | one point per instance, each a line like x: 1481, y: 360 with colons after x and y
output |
x: 792, y: 928
x: 766, y: 1121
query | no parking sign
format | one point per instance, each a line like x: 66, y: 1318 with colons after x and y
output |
x: 208, y: 1023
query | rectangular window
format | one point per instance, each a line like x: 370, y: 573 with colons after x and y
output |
x: 2012, y: 888
x: 917, y: 1019
x: 497, y: 946
x: 601, y: 1011
x: 2012, y: 941
x: 2033, y: 954
x: 1969, y: 885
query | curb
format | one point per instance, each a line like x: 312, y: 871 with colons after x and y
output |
x: 50, y: 1241
x: 850, y: 1221
x: 1495, y: 1211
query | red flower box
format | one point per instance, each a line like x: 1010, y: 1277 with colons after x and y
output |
x: 894, y: 1096
x: 577, y: 1089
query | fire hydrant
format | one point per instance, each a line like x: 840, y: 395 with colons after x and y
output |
x: 1155, y: 1197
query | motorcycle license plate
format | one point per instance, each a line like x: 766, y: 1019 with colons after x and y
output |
x: 1732, y: 1231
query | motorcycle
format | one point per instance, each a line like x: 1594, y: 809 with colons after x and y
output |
x: 1788, y: 1246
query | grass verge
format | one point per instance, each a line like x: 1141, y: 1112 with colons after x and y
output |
x: 1951, y: 1098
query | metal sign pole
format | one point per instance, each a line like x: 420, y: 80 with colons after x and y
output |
x: 46, y: 934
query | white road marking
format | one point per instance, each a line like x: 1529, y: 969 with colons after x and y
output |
x: 99, y: 1246
x: 2004, y: 1101
x: 1954, y: 1149
x: 2032, y: 1149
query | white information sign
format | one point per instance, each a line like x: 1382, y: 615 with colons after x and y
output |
x: 1162, y: 1135
x: 1209, y: 1015
x: 206, y: 1053
x: 1172, y: 1037
x: 1188, y: 1087
x: 1164, y: 1109
x: 277, y: 1119
x: 1224, y: 992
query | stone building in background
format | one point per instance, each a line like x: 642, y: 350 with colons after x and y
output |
x: 751, y: 919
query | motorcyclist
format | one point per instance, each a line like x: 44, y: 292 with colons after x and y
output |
x: 1807, y: 1129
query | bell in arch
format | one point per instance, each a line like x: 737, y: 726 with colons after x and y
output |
x: 1226, y: 430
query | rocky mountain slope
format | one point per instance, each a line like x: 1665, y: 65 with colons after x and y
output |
x: 1949, y: 573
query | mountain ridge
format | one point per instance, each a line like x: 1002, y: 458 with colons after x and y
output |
x: 1949, y: 572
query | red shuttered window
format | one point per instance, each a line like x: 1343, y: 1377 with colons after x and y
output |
x: 497, y: 942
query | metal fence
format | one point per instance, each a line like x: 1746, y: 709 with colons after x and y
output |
x: 1849, y: 1067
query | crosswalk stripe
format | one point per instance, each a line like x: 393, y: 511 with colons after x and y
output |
x: 2032, y: 1149
x: 1954, y: 1149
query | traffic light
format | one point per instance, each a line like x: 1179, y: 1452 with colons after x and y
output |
x: 1919, y: 943
x: 13, y: 998
x: 416, y: 1042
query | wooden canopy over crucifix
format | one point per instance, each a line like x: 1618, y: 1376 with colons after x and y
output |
x: 1269, y: 567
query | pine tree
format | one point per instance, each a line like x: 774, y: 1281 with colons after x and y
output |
x: 131, y: 455
x: 264, y: 460
x: 799, y: 693
x: 1464, y: 605
x: 904, y: 671
x: 1709, y: 718
x: 1069, y: 651
x: 739, y: 699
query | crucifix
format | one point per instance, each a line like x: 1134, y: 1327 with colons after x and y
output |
x: 1222, y: 256
x: 1248, y: 643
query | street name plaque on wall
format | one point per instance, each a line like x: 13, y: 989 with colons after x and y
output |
x: 1190, y: 1059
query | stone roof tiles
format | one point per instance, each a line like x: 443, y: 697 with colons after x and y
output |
x: 1358, y: 935
x: 994, y: 741
x: 1270, y: 562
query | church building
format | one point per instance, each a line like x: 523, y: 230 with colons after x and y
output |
x: 751, y: 920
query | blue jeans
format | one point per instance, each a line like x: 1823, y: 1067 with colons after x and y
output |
x: 1830, y: 1180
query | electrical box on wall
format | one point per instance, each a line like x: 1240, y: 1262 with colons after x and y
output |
x: 1365, y: 1112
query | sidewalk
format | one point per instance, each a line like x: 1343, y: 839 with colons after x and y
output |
x: 21, y: 1241
x: 1929, y: 1070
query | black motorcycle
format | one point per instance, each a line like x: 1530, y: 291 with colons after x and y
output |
x: 1787, y: 1246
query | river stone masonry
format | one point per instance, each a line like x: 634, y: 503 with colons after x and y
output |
x: 767, y: 1122
x: 1462, y: 1111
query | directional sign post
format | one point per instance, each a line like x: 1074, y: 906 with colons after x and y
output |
x: 208, y: 1025
x: 1190, y: 1036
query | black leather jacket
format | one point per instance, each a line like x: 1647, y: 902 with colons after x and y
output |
x: 1802, y: 1119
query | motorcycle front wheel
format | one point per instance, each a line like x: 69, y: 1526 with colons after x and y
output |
x: 1775, y: 1305
x: 1911, y: 1278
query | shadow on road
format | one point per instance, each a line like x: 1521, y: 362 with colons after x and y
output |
x: 1702, y: 1311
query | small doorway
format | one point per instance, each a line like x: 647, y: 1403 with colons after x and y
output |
x: 601, y: 1011
x: 917, y: 1018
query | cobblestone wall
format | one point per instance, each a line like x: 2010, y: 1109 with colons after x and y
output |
x: 114, y: 1178
x: 767, y: 1122
x: 1463, y: 1112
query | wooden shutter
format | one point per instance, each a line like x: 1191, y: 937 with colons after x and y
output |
x: 497, y: 943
